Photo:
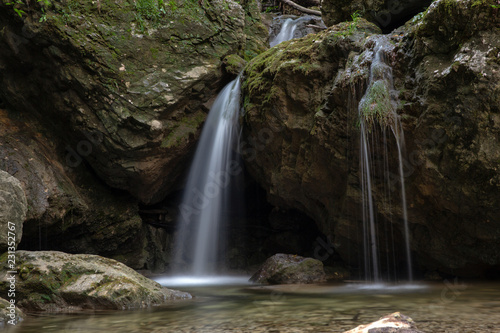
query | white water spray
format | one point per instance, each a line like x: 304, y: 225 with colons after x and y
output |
x: 207, y: 197
x: 289, y: 28
x: 378, y: 107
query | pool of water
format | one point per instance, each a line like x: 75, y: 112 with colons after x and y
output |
x: 447, y: 306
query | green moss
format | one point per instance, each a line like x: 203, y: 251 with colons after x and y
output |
x: 376, y: 105
x: 183, y: 128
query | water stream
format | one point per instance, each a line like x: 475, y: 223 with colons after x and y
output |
x: 377, y: 109
x: 207, y: 197
x: 293, y: 27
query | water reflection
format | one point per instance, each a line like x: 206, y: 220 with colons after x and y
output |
x: 448, y: 306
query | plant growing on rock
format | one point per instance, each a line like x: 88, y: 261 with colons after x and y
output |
x: 376, y: 106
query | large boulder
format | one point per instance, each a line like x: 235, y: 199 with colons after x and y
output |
x: 289, y: 268
x: 302, y: 138
x: 13, y: 209
x: 123, y: 85
x: 393, y: 323
x: 60, y: 282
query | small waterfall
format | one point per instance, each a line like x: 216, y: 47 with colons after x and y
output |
x: 293, y: 27
x: 378, y: 107
x: 286, y: 33
x: 207, y: 197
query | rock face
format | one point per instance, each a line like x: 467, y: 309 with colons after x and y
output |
x: 9, y: 313
x: 393, y: 323
x: 59, y: 282
x: 387, y: 14
x: 123, y: 85
x: 288, y: 268
x: 13, y: 209
x: 68, y: 209
x: 302, y: 142
x: 111, y: 91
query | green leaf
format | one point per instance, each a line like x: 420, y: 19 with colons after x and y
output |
x: 19, y: 12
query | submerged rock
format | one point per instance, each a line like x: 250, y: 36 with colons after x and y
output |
x: 288, y: 268
x: 13, y: 208
x: 60, y: 282
x: 393, y: 323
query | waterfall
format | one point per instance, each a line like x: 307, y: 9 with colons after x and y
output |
x: 290, y: 28
x: 378, y: 106
x: 207, y: 196
x: 286, y: 33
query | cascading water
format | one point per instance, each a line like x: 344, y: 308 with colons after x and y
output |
x: 294, y: 28
x: 215, y: 166
x: 207, y: 196
x: 378, y: 106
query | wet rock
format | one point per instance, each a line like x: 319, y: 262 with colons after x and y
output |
x: 288, y: 269
x: 302, y: 138
x: 387, y: 14
x: 393, y: 323
x: 113, y: 92
x: 68, y: 208
x: 10, y: 314
x: 234, y: 64
x: 13, y: 207
x: 123, y: 86
x: 453, y: 126
x: 60, y: 282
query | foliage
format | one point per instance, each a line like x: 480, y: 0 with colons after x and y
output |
x: 376, y: 104
x: 351, y: 26
x: 271, y: 9
x: 17, y: 3
x: 153, y: 9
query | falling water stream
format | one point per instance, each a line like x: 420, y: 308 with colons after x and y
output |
x: 378, y: 107
x: 207, y: 197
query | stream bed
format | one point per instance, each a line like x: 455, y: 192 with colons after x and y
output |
x: 446, y: 306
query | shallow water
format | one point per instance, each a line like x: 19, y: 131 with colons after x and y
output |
x: 448, y: 306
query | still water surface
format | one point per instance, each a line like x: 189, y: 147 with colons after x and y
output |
x: 447, y: 306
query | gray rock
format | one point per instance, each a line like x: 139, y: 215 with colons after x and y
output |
x: 60, y: 282
x: 13, y: 208
x: 393, y: 323
x: 288, y: 268
x: 10, y: 314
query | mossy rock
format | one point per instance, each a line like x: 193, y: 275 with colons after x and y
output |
x: 61, y: 282
x: 288, y: 269
x: 234, y: 64
x: 10, y: 314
